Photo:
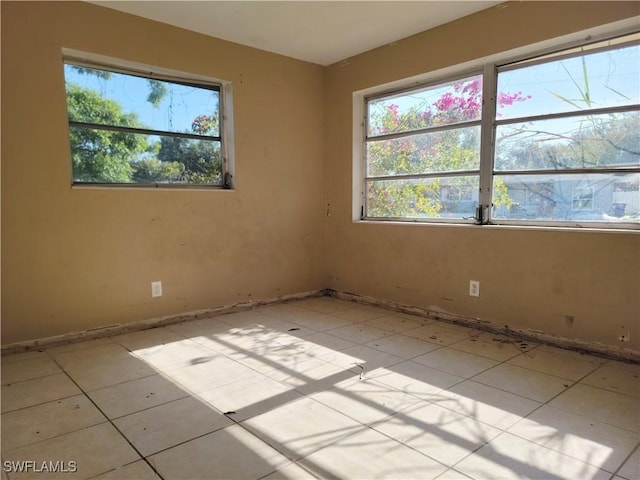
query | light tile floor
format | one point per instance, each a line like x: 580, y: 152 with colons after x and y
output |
x: 319, y: 388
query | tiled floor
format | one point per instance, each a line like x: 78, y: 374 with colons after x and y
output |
x: 318, y: 388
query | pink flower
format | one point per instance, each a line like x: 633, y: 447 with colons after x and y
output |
x: 445, y: 102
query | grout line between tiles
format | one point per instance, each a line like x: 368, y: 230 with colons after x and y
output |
x: 43, y: 440
x: 370, y: 427
x: 114, y: 469
x: 542, y: 404
x: 109, y: 421
x: 283, y: 451
x: 30, y: 379
x: 576, y: 382
x: 147, y: 408
x: 624, y: 461
x: 81, y: 393
x: 302, y: 467
x: 85, y: 393
x: 579, y: 381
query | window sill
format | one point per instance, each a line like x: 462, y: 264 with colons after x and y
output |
x: 542, y: 228
x: 149, y: 187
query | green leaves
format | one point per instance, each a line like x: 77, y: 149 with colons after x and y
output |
x: 100, y: 155
x: 152, y: 170
x: 112, y: 156
x: 158, y: 90
x: 201, y: 159
x: 105, y: 75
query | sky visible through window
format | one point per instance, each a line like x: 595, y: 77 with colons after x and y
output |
x: 566, y: 122
x: 607, y: 79
x: 175, y: 112
x: 128, y: 129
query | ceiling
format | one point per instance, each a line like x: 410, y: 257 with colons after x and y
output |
x: 318, y: 32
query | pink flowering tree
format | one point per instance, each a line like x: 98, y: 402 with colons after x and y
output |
x: 455, y: 148
x: 205, y: 125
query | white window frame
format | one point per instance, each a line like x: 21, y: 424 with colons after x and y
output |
x: 488, y: 66
x: 584, y: 194
x: 97, y: 61
x: 426, y: 130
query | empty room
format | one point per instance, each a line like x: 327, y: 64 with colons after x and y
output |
x: 301, y: 240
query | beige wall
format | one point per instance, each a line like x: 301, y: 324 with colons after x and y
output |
x: 74, y: 259
x: 529, y: 279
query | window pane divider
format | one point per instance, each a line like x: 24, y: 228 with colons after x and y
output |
x: 144, y: 131
x: 565, y: 223
x: 419, y: 131
x: 487, y: 142
x: 417, y: 176
x: 567, y: 171
x: 394, y: 93
x: 576, y: 113
x: 142, y: 185
x: 453, y: 221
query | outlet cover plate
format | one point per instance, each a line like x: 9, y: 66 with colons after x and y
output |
x: 156, y: 289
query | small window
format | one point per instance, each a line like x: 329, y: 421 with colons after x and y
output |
x: 131, y: 128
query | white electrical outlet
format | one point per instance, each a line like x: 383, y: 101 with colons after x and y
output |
x: 156, y: 289
x: 474, y: 288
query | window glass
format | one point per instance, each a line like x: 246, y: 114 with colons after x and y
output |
x: 602, y: 79
x: 435, y: 106
x: 447, y: 143
x: 585, y: 141
x: 443, y: 198
x: 572, y: 197
x: 440, y: 151
x: 131, y: 129
x: 594, y: 98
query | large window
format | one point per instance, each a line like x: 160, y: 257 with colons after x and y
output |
x: 131, y: 128
x: 423, y: 151
x: 552, y: 140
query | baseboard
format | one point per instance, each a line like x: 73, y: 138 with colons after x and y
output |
x: 592, y: 348
x: 118, y: 329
